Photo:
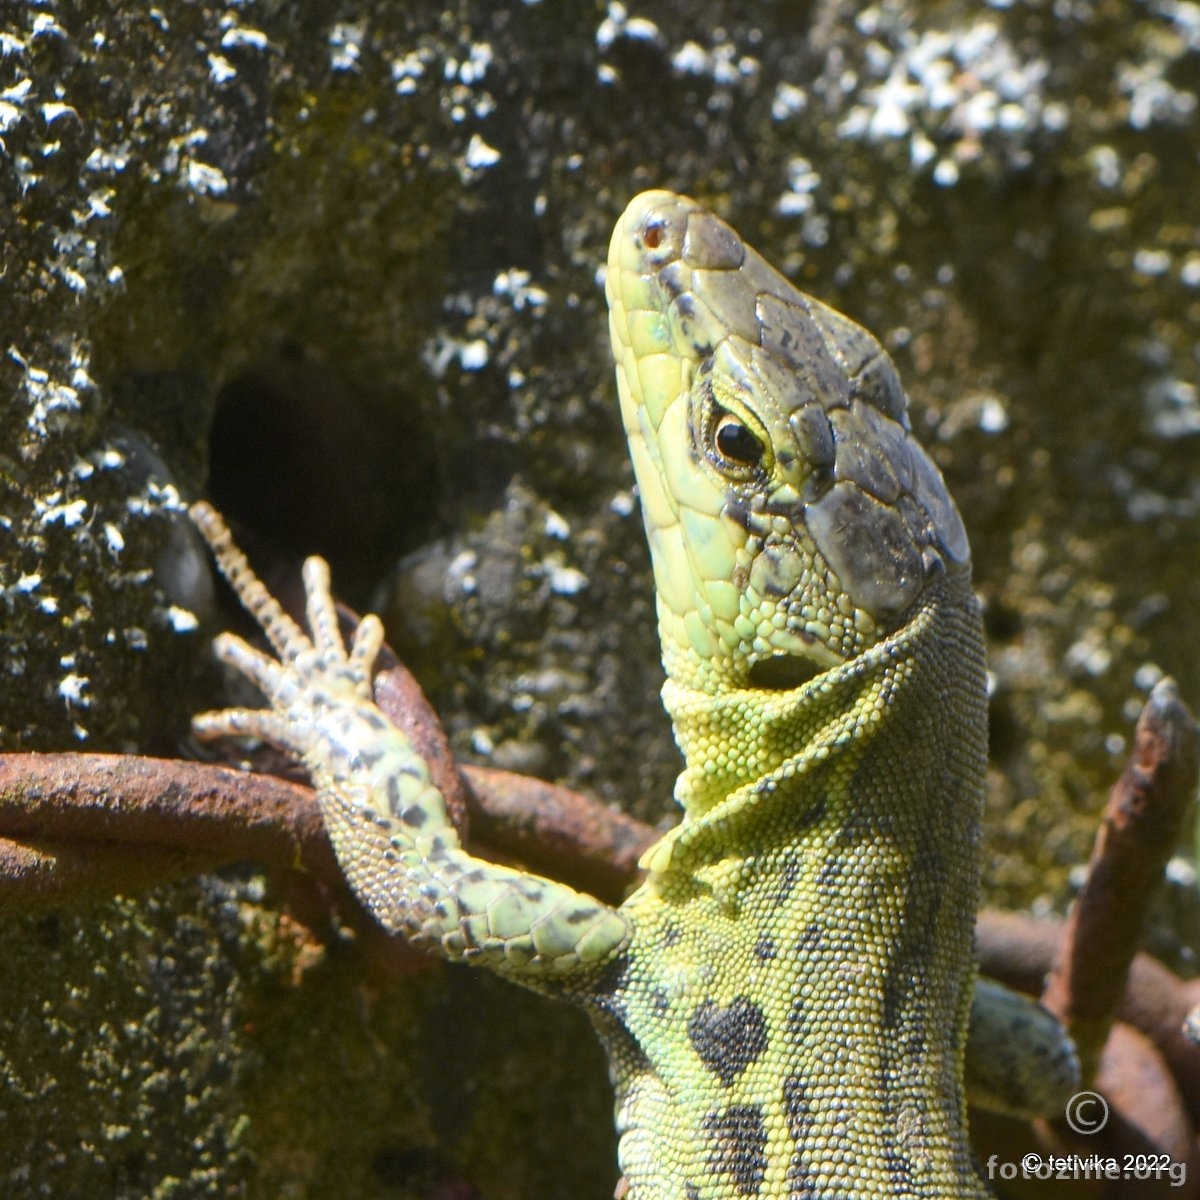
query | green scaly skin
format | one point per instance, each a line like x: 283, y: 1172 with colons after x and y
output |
x: 784, y: 999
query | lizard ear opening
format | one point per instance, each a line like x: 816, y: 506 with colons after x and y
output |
x: 782, y: 672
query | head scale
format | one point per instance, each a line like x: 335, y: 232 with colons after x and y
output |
x: 793, y: 520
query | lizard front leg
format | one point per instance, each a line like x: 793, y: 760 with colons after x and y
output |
x: 385, y: 817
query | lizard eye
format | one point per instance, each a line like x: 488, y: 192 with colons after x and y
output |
x: 735, y: 442
x: 653, y: 234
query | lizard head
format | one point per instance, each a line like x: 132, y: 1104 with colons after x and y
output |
x: 792, y: 517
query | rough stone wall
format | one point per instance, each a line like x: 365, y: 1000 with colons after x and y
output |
x: 339, y: 264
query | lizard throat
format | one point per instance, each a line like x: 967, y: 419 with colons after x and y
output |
x: 793, y: 716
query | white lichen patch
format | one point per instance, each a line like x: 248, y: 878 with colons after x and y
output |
x: 473, y: 67
x: 408, y: 68
x: 617, y: 24
x: 54, y: 509
x: 1152, y: 98
x: 516, y: 284
x: 565, y: 580
x: 220, y: 69
x: 556, y: 526
x: 623, y: 503
x: 235, y: 36
x: 788, y: 101
x: 71, y: 689
x: 53, y: 397
x: 479, y: 156
x: 182, y: 620
x: 803, y: 181
x: 471, y: 354
x: 203, y: 178
x: 946, y: 95
x: 484, y: 325
x: 723, y: 63
x: 346, y: 45
x: 726, y: 65
x: 1173, y: 407
x: 12, y: 111
x: 50, y: 115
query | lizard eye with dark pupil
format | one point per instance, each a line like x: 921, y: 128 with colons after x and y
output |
x: 736, y: 443
x: 653, y: 236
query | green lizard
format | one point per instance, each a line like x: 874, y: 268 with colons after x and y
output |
x: 784, y: 999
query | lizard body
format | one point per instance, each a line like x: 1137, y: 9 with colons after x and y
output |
x: 784, y: 999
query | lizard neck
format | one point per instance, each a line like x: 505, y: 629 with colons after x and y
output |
x: 835, y: 865
x: 919, y: 692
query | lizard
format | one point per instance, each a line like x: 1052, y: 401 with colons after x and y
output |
x: 784, y: 998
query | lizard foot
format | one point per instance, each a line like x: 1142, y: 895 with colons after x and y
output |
x: 311, y: 675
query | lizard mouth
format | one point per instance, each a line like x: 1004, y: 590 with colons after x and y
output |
x: 782, y: 672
